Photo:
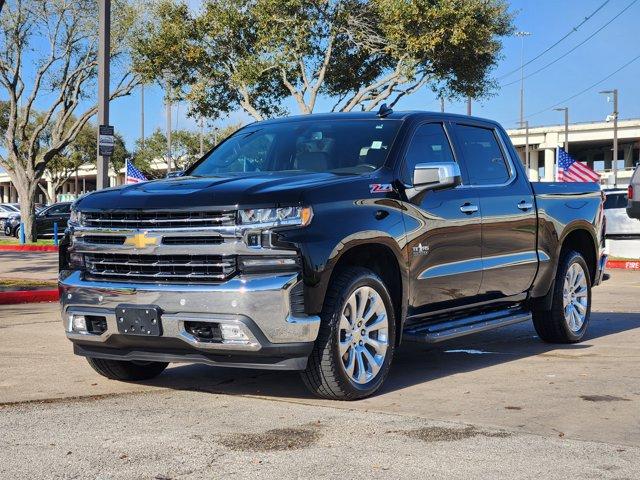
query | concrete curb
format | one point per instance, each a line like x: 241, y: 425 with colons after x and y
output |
x: 28, y: 296
x: 28, y: 248
x: 624, y: 264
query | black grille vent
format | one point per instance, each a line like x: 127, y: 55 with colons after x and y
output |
x: 104, y: 239
x: 296, y: 299
x: 199, y: 240
x: 167, y: 219
x: 160, y: 268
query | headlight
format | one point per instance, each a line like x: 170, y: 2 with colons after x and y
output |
x: 274, y: 217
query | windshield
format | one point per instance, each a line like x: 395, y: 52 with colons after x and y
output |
x: 336, y: 146
x: 615, y: 200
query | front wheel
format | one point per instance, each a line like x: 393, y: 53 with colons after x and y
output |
x: 568, y: 318
x: 356, y: 341
x: 126, y: 371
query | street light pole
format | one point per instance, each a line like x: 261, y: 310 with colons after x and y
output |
x: 566, y: 126
x: 442, y: 104
x: 614, y: 92
x: 142, y: 115
x: 522, y: 34
x: 468, y: 105
x: 104, y: 40
x: 167, y: 75
x: 526, y: 143
x: 201, y: 136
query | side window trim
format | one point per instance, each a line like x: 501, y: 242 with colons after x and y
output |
x: 513, y: 172
x: 443, y: 124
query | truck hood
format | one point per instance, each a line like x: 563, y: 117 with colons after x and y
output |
x: 256, y: 190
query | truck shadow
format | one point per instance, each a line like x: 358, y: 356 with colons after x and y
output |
x: 413, y: 364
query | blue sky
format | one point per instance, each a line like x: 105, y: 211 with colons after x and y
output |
x: 548, y: 21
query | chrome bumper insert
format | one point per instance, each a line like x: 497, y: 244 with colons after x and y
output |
x: 257, y: 304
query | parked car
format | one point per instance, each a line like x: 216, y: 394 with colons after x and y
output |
x: 45, y: 220
x: 6, y: 210
x: 633, y: 195
x: 320, y: 243
x: 618, y: 224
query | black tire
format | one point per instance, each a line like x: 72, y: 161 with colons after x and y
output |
x: 127, y: 371
x: 7, y: 231
x: 551, y: 325
x: 325, y: 375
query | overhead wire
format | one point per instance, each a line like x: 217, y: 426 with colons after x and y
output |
x: 584, y: 90
x: 572, y: 31
x: 575, y: 47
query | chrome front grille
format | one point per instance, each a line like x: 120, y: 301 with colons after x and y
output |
x: 165, y: 219
x: 160, y: 268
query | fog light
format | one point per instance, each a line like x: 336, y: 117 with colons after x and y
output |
x: 233, y: 333
x: 78, y: 323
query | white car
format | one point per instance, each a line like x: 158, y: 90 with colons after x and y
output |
x: 633, y: 195
x: 619, y: 225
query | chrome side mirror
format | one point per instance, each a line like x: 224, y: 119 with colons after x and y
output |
x: 430, y: 176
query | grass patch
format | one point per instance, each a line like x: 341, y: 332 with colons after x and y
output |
x: 20, y: 282
x: 15, y: 241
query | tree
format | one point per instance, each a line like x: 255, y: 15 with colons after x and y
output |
x: 78, y: 154
x: 253, y: 54
x: 185, y: 146
x: 48, y: 60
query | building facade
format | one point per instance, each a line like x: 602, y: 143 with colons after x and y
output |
x: 591, y: 143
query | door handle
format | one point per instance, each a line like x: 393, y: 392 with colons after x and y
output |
x: 469, y: 208
x: 524, y: 206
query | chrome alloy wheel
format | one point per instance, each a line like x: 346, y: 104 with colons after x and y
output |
x: 363, y: 335
x: 575, y: 296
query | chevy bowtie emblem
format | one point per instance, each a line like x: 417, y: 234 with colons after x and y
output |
x: 140, y: 240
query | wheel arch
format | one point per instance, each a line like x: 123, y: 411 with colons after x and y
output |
x: 381, y: 255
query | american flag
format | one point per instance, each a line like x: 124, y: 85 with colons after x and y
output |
x: 570, y: 170
x: 133, y: 175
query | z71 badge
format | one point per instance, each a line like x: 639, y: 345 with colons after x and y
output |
x: 380, y: 188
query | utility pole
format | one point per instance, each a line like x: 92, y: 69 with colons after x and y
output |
x: 522, y: 34
x: 442, y: 104
x: 215, y: 136
x: 201, y: 136
x: 526, y: 145
x: 167, y: 75
x: 142, y: 115
x: 468, y: 105
x: 566, y: 126
x: 614, y: 115
x: 104, y: 40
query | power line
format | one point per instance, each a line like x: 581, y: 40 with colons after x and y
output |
x: 576, y: 47
x: 586, y: 89
x: 572, y: 31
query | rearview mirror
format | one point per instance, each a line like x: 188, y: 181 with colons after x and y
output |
x: 430, y: 176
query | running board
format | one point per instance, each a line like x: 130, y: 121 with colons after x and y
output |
x: 439, y: 332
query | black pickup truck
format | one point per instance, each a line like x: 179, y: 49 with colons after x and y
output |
x: 321, y: 243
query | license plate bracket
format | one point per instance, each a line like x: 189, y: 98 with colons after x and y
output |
x: 141, y: 320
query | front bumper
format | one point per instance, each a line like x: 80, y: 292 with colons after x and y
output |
x: 258, y: 304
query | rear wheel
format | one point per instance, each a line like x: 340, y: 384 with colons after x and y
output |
x: 356, y: 341
x: 126, y: 371
x: 568, y: 318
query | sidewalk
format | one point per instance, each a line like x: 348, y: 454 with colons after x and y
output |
x: 29, y: 265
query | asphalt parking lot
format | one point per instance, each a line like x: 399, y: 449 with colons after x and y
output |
x: 496, y: 405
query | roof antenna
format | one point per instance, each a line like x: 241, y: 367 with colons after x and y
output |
x: 384, y: 111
